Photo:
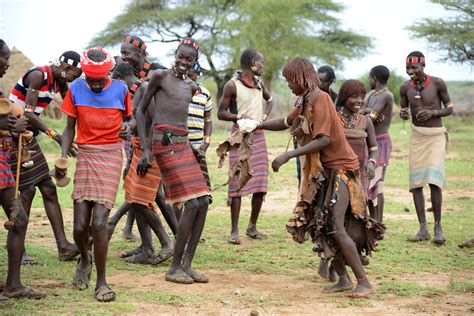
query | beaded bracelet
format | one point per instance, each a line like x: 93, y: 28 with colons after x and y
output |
x: 51, y: 133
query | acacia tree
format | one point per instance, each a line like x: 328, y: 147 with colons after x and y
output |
x: 280, y: 29
x: 454, y: 36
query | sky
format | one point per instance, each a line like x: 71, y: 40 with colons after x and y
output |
x: 45, y: 29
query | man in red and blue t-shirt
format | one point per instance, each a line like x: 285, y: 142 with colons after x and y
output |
x: 98, y: 107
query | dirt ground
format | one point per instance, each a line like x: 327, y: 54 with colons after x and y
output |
x: 293, y: 296
x: 229, y: 292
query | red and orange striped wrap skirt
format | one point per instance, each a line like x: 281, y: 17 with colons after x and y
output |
x: 182, y: 176
x: 258, y: 183
x: 141, y: 189
x: 98, y: 171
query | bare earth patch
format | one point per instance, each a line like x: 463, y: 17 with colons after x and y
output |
x: 230, y: 292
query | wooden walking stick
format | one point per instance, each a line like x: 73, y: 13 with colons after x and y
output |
x: 16, y: 207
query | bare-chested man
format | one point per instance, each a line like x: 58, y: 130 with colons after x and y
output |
x: 379, y: 103
x: 141, y: 191
x: 183, y: 180
x: 421, y: 97
x: 133, y: 51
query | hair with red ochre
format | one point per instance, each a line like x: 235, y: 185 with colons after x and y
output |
x: 301, y: 71
x: 350, y: 88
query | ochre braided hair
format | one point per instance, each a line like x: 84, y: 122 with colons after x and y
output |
x: 350, y: 88
x: 301, y: 71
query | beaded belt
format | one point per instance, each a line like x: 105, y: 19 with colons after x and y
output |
x: 6, y: 145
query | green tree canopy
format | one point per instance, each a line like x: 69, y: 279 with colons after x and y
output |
x: 280, y: 29
x: 454, y: 36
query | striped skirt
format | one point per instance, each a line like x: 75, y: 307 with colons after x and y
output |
x: 39, y: 170
x: 203, y: 164
x: 181, y: 173
x: 258, y: 183
x: 384, y: 143
x: 376, y: 185
x: 97, y: 174
x: 6, y: 176
x: 141, y: 189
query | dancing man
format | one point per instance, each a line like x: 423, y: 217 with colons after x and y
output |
x: 421, y: 97
x: 98, y: 106
x: 183, y: 180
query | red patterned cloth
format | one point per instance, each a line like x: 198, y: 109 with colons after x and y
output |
x: 98, y: 171
x: 6, y: 176
x: 141, y: 189
x: 258, y: 165
x: 376, y: 185
x: 182, y: 176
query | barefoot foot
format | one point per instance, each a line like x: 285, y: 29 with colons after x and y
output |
x: 438, y: 235
x: 234, y: 238
x: 344, y: 284
x: 178, y: 276
x: 421, y: 235
x: 196, y: 276
x: 323, y: 269
x: 362, y: 289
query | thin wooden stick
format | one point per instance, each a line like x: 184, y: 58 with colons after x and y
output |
x: 18, y: 165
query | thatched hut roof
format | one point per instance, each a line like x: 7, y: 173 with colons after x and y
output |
x: 19, y: 64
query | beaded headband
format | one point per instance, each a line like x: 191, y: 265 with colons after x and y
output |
x: 415, y: 60
x: 135, y: 42
x: 69, y: 61
x: 190, y: 42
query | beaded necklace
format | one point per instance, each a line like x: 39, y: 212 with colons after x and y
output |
x: 349, y: 121
x: 135, y: 86
x: 420, y: 85
x: 178, y: 75
x: 145, y: 70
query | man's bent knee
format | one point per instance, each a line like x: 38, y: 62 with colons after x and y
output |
x: 21, y: 221
x: 47, y: 187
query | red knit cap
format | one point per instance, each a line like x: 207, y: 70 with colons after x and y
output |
x: 93, y: 69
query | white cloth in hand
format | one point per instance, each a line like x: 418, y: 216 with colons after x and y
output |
x: 247, y: 125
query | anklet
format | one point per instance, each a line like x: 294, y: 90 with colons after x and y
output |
x: 362, y: 279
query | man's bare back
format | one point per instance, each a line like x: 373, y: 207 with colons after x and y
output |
x: 382, y: 103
